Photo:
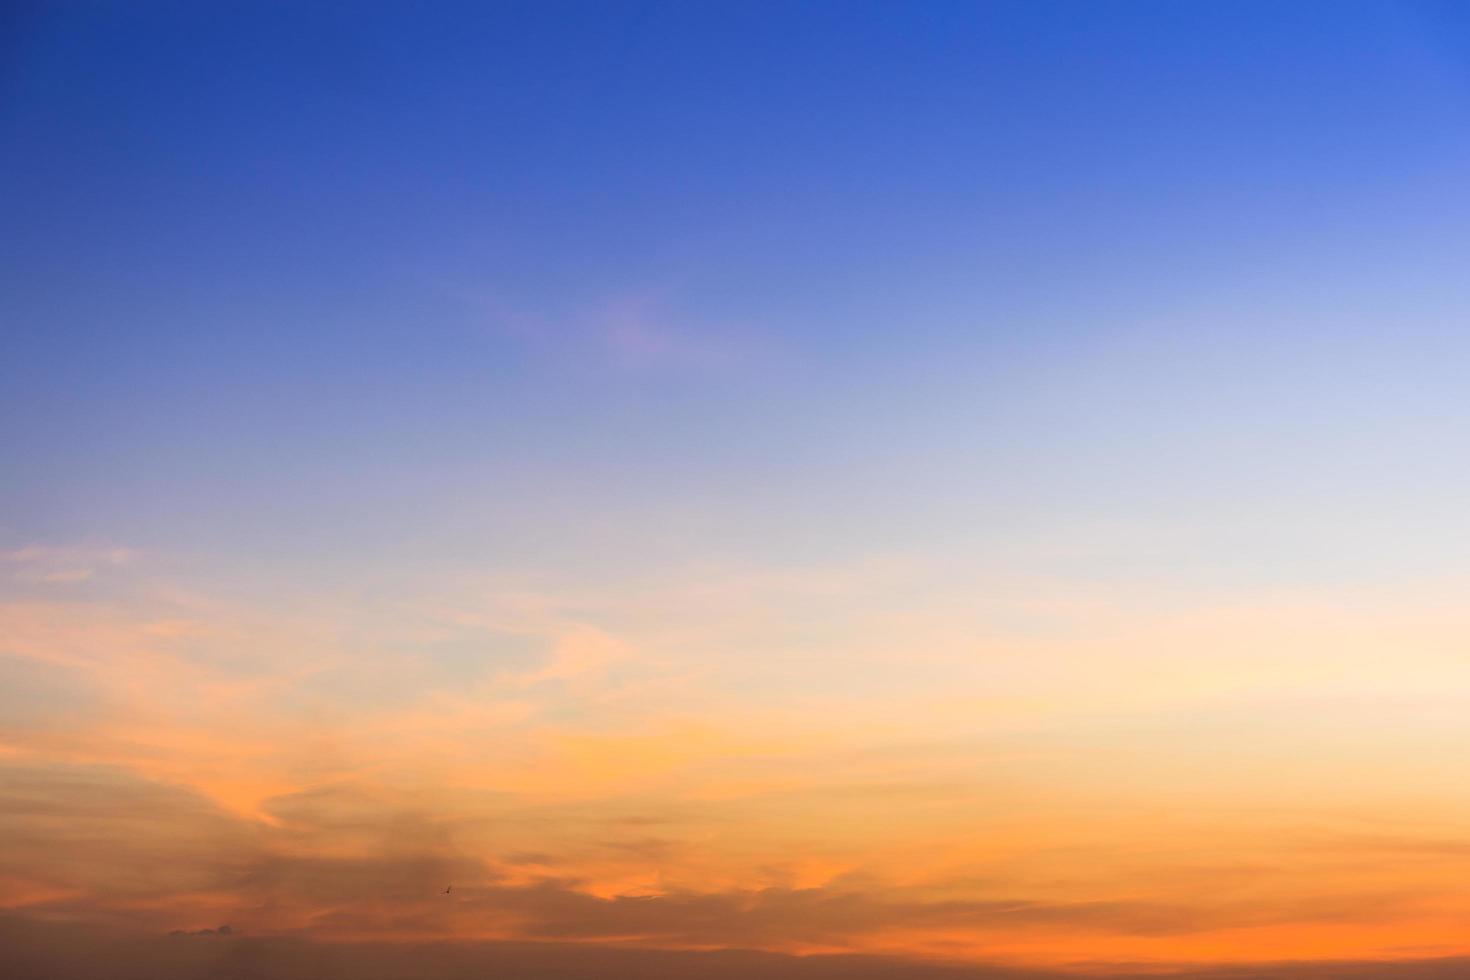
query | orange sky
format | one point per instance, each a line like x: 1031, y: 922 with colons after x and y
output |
x: 1118, y: 785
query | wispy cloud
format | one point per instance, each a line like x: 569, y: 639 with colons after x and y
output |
x: 49, y: 565
x: 632, y: 332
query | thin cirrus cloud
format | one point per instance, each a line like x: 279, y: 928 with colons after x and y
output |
x: 43, y: 565
x: 636, y: 332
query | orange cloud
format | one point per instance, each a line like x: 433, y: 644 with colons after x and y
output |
x: 804, y: 774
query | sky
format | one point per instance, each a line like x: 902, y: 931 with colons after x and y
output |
x: 967, y: 490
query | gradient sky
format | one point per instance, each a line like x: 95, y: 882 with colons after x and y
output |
x: 980, y: 483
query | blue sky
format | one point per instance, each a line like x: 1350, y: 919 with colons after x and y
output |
x: 498, y: 277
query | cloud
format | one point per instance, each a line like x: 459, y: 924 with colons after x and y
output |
x: 49, y: 565
x: 221, y: 931
x: 32, y: 948
x: 632, y: 332
x: 96, y: 839
x: 98, y: 844
x: 171, y: 767
x: 639, y: 333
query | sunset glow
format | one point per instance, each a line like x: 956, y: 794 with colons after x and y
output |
x: 866, y: 490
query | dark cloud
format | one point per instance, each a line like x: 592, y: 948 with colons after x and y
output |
x: 318, y: 881
x: 113, y: 836
x: 36, y: 950
x: 98, y: 845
